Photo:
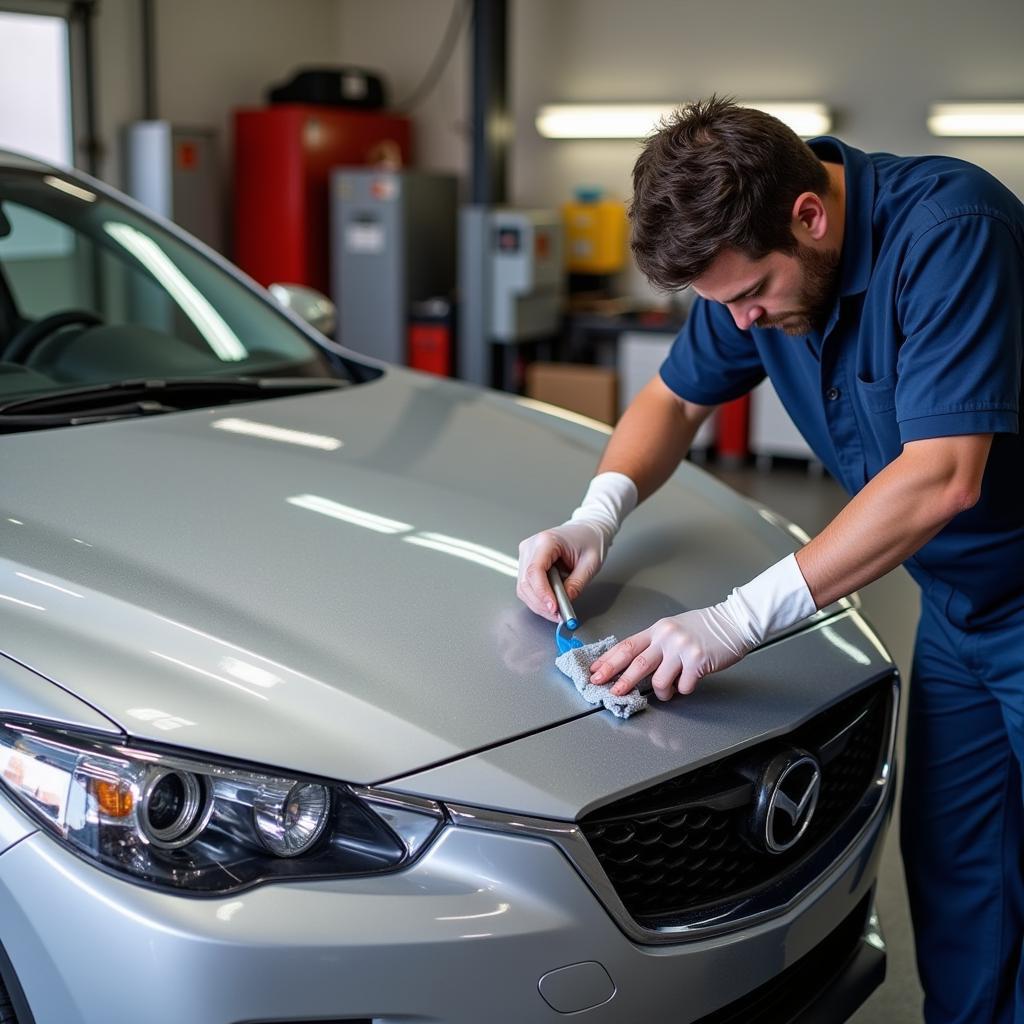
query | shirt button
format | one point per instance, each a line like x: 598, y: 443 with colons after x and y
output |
x: 832, y: 394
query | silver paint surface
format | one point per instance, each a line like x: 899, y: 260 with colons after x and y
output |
x: 25, y: 693
x: 155, y: 577
x: 568, y: 771
x: 463, y: 936
x: 272, y: 632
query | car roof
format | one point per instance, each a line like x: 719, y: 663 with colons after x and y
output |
x: 11, y: 158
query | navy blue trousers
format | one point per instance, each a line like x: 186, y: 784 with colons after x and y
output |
x: 961, y: 819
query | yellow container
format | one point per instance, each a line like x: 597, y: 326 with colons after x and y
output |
x: 595, y: 235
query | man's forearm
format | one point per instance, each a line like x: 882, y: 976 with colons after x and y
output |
x: 653, y: 437
x: 895, y: 514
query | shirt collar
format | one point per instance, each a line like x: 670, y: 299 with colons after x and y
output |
x: 857, y: 257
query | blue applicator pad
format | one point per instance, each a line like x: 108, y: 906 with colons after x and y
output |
x: 565, y: 643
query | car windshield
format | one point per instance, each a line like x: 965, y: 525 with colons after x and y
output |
x: 92, y: 293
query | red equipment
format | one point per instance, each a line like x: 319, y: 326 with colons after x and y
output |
x: 430, y: 347
x: 283, y: 157
x: 733, y: 429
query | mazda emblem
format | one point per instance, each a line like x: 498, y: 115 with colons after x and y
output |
x: 787, y: 795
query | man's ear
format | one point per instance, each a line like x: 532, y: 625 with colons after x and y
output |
x: 810, y: 218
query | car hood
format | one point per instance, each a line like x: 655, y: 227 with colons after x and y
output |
x: 325, y: 583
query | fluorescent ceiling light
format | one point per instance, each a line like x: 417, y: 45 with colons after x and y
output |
x: 463, y: 549
x: 599, y: 121
x: 480, y: 549
x: 25, y: 604
x: 161, y: 719
x: 976, y: 119
x: 845, y: 646
x: 43, y: 583
x: 348, y: 514
x: 249, y: 673
x: 806, y: 119
x: 235, y: 647
x: 209, y: 675
x: 638, y: 120
x: 269, y: 432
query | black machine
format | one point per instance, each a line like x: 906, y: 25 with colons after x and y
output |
x: 332, y: 87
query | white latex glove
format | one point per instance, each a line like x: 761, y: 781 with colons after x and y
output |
x: 580, y: 544
x: 684, y: 648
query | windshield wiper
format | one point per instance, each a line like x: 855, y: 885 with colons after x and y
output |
x: 122, y: 411
x: 146, y: 396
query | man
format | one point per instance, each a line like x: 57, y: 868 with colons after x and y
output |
x: 884, y: 297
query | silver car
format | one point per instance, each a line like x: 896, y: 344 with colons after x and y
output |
x: 278, y: 742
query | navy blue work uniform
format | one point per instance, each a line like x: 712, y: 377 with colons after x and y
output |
x: 925, y: 341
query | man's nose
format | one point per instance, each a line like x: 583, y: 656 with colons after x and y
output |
x: 746, y: 314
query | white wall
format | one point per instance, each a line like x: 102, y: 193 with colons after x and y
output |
x: 878, y: 63
x: 211, y: 57
x: 216, y: 55
x: 400, y: 38
x: 118, y: 79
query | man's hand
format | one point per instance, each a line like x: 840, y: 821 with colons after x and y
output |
x: 651, y: 439
x: 580, y: 546
x: 896, y: 513
x: 682, y: 649
x: 678, y: 650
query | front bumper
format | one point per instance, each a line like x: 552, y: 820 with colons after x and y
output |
x: 465, y: 934
x: 825, y: 986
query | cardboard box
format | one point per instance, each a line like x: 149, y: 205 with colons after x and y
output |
x: 589, y: 390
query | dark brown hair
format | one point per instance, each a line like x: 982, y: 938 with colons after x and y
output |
x: 717, y: 176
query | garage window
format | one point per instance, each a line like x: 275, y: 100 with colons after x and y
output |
x: 35, y: 85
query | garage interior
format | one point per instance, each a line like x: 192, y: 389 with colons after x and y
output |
x: 234, y: 118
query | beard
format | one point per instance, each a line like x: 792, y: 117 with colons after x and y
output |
x: 817, y: 294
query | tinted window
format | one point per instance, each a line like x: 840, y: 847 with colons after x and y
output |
x: 91, y: 292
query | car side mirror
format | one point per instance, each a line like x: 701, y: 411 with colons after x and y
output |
x: 314, y: 307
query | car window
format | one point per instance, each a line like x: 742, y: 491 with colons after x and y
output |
x: 93, y: 292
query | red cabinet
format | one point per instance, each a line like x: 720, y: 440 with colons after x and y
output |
x: 283, y: 158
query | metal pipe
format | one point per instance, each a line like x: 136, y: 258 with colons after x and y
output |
x: 149, y: 106
x: 83, y: 11
x: 490, y: 102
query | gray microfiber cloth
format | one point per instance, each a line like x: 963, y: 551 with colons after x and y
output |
x: 576, y: 665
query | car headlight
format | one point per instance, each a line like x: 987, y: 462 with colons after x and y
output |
x: 201, y: 826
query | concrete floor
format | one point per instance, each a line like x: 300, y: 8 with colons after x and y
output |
x: 891, y: 604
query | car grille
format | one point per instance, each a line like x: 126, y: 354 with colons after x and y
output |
x: 685, y: 845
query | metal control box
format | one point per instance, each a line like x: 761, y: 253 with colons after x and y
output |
x: 527, y: 274
x: 392, y: 245
x: 174, y: 171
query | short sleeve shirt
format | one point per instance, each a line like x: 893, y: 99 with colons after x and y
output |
x: 925, y: 340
